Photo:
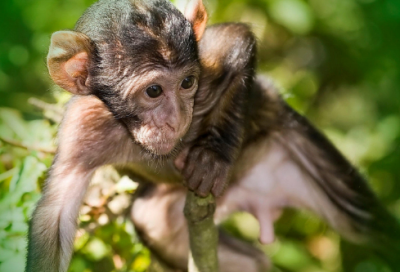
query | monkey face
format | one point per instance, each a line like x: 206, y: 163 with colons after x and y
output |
x: 142, y: 62
x: 155, y: 102
x: 162, y: 100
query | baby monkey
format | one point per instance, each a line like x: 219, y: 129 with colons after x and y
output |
x: 152, y: 85
x: 135, y: 70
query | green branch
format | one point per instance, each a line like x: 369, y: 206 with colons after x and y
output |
x: 203, y: 235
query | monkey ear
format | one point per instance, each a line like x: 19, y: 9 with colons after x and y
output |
x: 196, y: 13
x: 68, y: 61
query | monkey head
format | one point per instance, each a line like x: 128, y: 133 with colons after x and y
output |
x: 141, y: 60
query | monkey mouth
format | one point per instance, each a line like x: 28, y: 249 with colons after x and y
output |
x: 160, y: 149
x: 158, y: 143
x: 162, y: 154
x: 164, y: 148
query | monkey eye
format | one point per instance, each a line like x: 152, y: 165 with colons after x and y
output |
x: 188, y: 82
x: 154, y: 91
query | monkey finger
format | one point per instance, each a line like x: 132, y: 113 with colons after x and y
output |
x: 207, y: 181
x: 205, y: 187
x: 188, y: 170
x: 190, y: 163
x: 219, y: 186
x: 193, y: 183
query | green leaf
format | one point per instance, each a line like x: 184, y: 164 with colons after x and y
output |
x: 6, y: 254
x: 293, y: 14
x: 14, y: 264
x: 26, y: 182
x: 13, y: 121
x: 10, y: 173
x: 292, y: 255
x: 96, y: 249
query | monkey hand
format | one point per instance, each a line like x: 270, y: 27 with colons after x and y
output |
x: 203, y: 170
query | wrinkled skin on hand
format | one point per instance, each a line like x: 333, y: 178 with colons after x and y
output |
x: 203, y: 171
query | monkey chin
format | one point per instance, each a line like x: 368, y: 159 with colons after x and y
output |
x: 160, y: 144
x: 164, y: 148
x: 161, y: 149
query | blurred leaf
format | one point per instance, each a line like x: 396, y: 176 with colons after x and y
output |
x: 31, y: 170
x: 292, y: 255
x: 15, y: 264
x: 141, y: 263
x: 6, y: 254
x: 12, y: 122
x: 96, y: 249
x: 293, y: 14
x: 81, y: 241
x: 8, y: 174
x: 125, y: 184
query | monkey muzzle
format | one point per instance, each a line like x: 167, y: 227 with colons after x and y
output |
x: 159, y: 141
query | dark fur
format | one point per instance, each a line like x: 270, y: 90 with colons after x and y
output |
x: 228, y: 59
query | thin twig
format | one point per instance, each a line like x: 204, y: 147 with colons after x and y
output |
x: 34, y: 148
x: 51, y: 111
x: 45, y: 106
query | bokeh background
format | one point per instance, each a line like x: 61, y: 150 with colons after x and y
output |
x: 336, y: 61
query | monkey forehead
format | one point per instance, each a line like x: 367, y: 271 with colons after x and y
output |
x: 139, y: 32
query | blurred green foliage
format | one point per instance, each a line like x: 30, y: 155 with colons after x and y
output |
x: 338, y: 62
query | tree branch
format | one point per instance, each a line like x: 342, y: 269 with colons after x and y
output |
x: 21, y: 145
x: 203, y: 235
x: 51, y: 111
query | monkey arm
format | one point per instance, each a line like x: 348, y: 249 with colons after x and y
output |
x: 227, y: 55
x: 87, y: 129
x: 53, y: 224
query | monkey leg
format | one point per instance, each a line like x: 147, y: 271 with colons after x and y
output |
x: 158, y: 217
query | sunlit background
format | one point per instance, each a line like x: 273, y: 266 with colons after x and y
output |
x: 336, y: 61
